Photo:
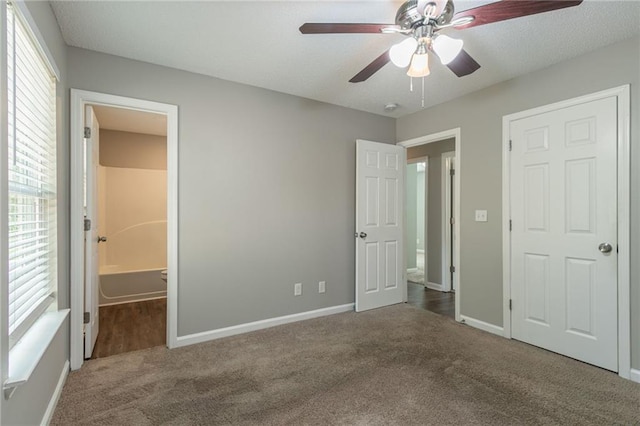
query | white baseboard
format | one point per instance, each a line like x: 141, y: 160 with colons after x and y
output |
x: 634, y: 376
x: 434, y: 286
x: 484, y: 326
x: 53, y: 402
x: 205, y: 336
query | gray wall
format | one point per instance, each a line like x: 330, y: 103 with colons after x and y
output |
x: 29, y: 402
x: 266, y: 190
x: 479, y: 115
x: 433, y: 205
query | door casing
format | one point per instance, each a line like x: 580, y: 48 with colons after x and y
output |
x: 623, y: 180
x: 435, y: 137
x: 80, y: 98
x: 448, y: 163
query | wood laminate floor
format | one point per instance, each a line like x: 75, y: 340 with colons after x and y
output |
x: 431, y: 300
x: 130, y: 327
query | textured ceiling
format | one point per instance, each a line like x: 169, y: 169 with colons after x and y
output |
x: 258, y: 43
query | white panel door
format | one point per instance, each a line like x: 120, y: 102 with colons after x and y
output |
x: 379, y: 221
x: 563, y: 209
x: 91, y: 236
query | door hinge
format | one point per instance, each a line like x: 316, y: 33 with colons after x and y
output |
x: 452, y: 172
x: 452, y: 221
x: 510, y: 225
x: 510, y: 304
x: 87, y: 224
x: 510, y: 145
x: 87, y: 132
x: 87, y: 317
x: 452, y: 269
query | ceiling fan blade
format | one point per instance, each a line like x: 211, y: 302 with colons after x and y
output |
x: 372, y: 68
x: 463, y: 64
x: 509, y: 9
x: 318, y: 28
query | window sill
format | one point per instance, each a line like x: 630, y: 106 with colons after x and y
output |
x: 27, y: 353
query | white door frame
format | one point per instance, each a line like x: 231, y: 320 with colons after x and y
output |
x: 623, y: 180
x: 445, y: 178
x: 436, y: 137
x: 80, y: 98
x: 423, y: 159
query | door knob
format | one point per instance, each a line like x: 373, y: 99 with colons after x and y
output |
x: 102, y: 239
x: 363, y: 235
x: 605, y: 248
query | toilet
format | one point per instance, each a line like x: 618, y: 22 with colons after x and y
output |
x: 163, y: 275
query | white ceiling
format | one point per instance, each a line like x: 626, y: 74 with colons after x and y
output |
x: 129, y: 120
x: 258, y: 43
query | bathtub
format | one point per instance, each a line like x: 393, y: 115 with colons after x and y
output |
x: 118, y: 286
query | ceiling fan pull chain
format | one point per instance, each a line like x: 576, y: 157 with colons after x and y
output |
x: 411, y: 84
x: 422, y: 92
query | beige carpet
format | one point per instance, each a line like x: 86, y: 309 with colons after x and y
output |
x: 396, y: 365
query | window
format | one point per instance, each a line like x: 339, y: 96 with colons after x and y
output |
x: 31, y: 138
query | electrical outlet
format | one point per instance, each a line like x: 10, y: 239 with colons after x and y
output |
x: 481, y: 215
x: 321, y: 287
x: 297, y: 289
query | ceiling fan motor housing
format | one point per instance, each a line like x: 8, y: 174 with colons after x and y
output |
x: 408, y: 16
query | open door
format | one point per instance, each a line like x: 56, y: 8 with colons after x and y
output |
x: 379, y: 224
x: 91, y: 238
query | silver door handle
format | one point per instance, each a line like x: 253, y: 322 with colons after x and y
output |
x: 605, y: 248
x: 102, y: 239
x: 363, y: 235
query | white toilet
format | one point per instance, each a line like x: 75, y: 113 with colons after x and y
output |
x: 163, y: 275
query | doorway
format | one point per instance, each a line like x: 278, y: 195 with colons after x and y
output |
x: 143, y: 270
x: 438, y: 213
x: 127, y: 189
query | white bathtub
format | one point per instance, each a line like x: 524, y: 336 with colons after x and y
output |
x: 130, y: 286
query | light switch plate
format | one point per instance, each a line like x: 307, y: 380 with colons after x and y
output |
x: 481, y: 215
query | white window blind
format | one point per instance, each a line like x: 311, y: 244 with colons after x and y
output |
x: 31, y: 89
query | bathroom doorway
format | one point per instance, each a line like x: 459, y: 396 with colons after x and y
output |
x: 131, y: 225
x: 124, y: 229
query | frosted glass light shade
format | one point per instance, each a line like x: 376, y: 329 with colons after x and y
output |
x: 400, y: 54
x: 419, y: 66
x: 446, y: 48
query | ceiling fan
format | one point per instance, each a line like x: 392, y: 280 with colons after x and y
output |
x: 422, y: 20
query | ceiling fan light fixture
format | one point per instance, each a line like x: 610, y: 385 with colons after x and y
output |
x: 400, y: 54
x: 419, y: 65
x: 446, y: 48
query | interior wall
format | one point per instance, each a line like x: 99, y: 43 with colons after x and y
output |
x: 266, y: 190
x: 479, y: 116
x: 133, y: 201
x: 433, y: 203
x: 132, y: 150
x: 29, y: 403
